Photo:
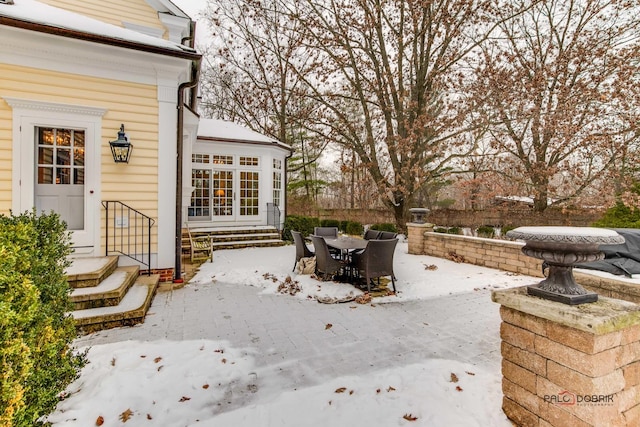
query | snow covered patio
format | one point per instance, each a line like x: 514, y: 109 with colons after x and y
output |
x: 229, y: 349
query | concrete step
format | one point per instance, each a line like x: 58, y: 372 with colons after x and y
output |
x: 130, y: 311
x: 89, y: 272
x: 109, y: 292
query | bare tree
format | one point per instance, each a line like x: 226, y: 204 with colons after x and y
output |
x: 555, y: 84
x: 390, y: 80
x: 252, y: 68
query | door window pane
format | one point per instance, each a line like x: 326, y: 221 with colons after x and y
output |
x: 201, y: 180
x: 55, y: 148
x: 222, y: 193
x: 249, y: 196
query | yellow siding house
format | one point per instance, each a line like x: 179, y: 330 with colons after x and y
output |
x: 76, y: 75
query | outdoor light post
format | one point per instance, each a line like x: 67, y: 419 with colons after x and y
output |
x: 561, y: 248
x: 121, y: 148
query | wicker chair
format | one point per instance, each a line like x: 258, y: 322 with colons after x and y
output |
x: 330, y: 232
x: 375, y: 261
x: 371, y: 234
x: 325, y: 263
x: 302, y: 250
x: 386, y: 235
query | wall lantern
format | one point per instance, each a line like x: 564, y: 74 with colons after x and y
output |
x: 121, y: 148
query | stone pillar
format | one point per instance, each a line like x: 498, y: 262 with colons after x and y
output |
x: 566, y: 365
x: 415, y: 236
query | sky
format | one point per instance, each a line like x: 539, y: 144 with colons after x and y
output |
x: 168, y: 383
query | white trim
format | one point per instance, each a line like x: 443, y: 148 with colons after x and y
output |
x: 33, y: 105
x: 178, y: 26
x: 29, y: 114
x: 62, y: 54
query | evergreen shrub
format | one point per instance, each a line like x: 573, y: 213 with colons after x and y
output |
x: 384, y: 226
x: 37, y: 361
x: 354, y: 228
x: 303, y: 224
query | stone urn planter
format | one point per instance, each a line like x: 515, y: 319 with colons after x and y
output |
x: 561, y: 248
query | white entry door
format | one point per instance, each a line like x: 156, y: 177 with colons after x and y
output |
x: 60, y: 157
x: 56, y: 165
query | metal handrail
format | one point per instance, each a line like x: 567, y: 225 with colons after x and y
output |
x: 273, y: 215
x: 128, y: 228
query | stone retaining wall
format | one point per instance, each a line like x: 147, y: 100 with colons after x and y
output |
x: 493, y: 253
x: 505, y: 255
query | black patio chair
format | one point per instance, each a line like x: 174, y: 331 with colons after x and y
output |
x: 330, y: 232
x: 371, y: 234
x: 302, y: 250
x: 325, y: 263
x: 386, y: 235
x: 375, y: 261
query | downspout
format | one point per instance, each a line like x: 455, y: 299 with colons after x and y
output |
x: 195, y: 77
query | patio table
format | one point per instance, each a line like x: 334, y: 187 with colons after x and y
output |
x: 346, y: 243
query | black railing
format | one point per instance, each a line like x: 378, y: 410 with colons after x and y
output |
x: 273, y: 215
x: 128, y: 232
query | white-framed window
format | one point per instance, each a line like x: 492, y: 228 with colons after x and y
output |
x: 200, y: 158
x: 219, y: 159
x: 249, y: 161
x: 277, y: 181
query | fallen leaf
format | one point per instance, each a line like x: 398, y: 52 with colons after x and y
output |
x: 124, y: 417
x: 469, y: 373
x: 390, y: 389
x: 206, y: 386
x: 341, y: 390
x: 378, y: 391
x: 409, y: 417
x: 143, y: 356
x: 328, y: 326
x: 149, y: 417
x: 160, y: 367
x: 219, y: 351
x: 350, y: 392
x: 100, y: 420
x: 113, y: 362
x: 157, y: 359
x: 224, y: 360
x: 184, y: 399
x: 458, y: 388
x: 454, y: 378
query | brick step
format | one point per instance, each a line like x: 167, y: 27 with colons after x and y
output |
x: 89, y: 272
x: 242, y: 237
x: 130, y: 311
x: 213, y: 231
x: 109, y: 292
x: 247, y: 244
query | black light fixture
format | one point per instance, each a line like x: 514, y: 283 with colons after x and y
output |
x: 121, y: 148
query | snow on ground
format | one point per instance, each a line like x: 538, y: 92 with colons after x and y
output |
x: 169, y: 383
x: 418, y: 277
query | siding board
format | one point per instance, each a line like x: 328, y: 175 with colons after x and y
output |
x: 135, y: 105
x: 112, y: 12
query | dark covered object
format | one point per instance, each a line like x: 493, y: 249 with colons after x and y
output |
x: 622, y: 259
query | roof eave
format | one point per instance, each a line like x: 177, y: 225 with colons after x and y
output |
x: 187, y: 53
x: 244, y: 141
